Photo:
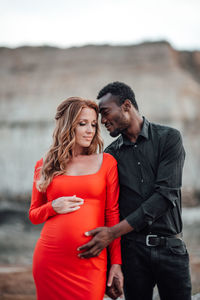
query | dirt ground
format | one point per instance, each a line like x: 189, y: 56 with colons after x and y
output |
x: 16, y: 282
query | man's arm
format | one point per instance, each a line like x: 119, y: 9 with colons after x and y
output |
x: 102, y: 237
x: 167, y: 186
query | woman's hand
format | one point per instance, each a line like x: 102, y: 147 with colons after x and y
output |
x: 64, y: 205
x: 114, y: 287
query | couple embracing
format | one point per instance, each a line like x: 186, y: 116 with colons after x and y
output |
x: 127, y: 199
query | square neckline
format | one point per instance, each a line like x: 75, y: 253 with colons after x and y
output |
x: 103, y: 158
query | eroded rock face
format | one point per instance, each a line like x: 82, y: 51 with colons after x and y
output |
x: 33, y: 81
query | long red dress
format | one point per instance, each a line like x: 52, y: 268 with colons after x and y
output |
x: 58, y: 272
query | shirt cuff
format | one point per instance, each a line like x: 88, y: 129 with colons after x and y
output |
x: 137, y: 220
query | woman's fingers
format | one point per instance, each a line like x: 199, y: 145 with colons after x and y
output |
x: 71, y: 199
x: 73, y: 205
x: 69, y: 209
x: 74, y: 199
x: 73, y: 208
x: 64, y: 205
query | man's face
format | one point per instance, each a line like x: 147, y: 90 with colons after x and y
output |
x: 112, y: 115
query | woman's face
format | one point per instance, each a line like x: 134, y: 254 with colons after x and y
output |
x: 86, y: 129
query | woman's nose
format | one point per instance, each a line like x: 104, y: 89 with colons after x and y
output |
x: 90, y: 128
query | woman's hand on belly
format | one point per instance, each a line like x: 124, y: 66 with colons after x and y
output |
x: 64, y: 205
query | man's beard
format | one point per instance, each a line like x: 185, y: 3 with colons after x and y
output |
x: 115, y: 133
x: 122, y: 126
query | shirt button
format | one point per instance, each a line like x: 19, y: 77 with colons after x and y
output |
x: 135, y: 145
x: 142, y: 180
x: 138, y: 163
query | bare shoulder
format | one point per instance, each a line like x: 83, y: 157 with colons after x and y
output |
x: 96, y: 157
x: 103, y: 156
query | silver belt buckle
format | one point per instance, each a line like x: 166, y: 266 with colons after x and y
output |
x: 147, y: 240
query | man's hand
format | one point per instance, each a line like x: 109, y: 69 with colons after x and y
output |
x: 102, y: 237
x: 114, y: 288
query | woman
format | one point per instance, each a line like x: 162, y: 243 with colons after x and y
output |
x: 74, y: 190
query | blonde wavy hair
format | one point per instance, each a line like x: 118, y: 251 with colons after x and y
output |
x: 61, y: 150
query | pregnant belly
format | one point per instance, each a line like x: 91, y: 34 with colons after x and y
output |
x: 66, y: 231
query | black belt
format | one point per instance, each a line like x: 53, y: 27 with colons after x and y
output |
x: 153, y: 240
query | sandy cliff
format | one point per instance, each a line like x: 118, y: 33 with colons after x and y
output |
x: 33, y: 80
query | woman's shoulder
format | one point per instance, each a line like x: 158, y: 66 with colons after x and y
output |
x: 109, y: 159
x: 39, y: 163
x: 106, y: 160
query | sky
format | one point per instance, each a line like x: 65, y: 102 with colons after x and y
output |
x: 66, y: 23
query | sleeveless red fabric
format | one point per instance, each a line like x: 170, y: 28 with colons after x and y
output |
x: 58, y: 272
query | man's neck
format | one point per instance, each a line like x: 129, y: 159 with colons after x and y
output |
x: 133, y: 131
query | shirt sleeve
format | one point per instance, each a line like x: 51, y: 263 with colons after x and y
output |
x: 112, y: 209
x: 167, y: 185
x: 40, y: 210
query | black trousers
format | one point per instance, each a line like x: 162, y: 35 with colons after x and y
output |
x: 145, y: 266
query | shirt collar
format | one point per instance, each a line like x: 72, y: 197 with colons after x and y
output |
x: 145, y: 129
x: 123, y: 140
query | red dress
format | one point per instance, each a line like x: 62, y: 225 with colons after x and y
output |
x: 58, y: 272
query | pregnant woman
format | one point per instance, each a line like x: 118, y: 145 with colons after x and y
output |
x: 75, y: 189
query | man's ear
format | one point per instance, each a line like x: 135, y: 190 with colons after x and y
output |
x: 126, y: 105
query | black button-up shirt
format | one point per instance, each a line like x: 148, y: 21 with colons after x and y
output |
x: 150, y: 176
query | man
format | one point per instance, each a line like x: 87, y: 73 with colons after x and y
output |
x: 150, y: 161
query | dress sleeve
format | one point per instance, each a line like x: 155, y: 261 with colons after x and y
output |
x: 40, y: 210
x: 112, y: 208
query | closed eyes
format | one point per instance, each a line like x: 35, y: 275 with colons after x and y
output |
x: 83, y: 124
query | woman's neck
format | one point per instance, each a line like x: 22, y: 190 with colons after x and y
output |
x: 79, y: 151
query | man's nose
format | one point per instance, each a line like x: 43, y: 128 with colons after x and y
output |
x: 103, y: 120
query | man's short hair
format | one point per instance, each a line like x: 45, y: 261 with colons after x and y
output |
x: 120, y: 89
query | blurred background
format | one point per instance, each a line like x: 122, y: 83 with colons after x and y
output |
x: 51, y: 50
